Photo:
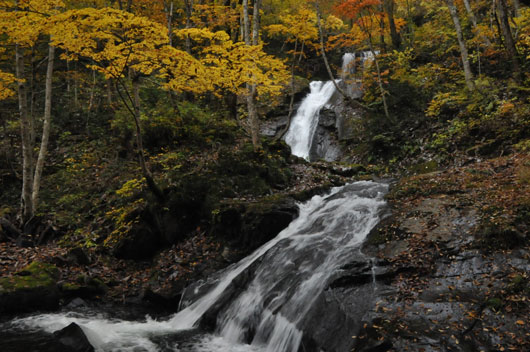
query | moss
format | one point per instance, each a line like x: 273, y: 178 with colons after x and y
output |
x: 424, y: 168
x: 494, y: 303
x: 68, y: 286
x: 35, y: 275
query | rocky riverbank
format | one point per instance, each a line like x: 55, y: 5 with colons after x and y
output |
x: 447, y: 269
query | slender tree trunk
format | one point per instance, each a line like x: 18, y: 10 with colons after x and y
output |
x: 139, y: 142
x: 517, y: 8
x: 251, y: 88
x: 169, y: 19
x: 379, y: 79
x: 463, y: 50
x: 508, y: 38
x: 109, y: 92
x: 256, y: 22
x: 246, y: 23
x: 346, y: 97
x: 473, y: 19
x: 45, y: 128
x: 291, y: 103
x: 188, y: 4
x: 382, y: 30
x: 25, y: 129
x: 389, y: 6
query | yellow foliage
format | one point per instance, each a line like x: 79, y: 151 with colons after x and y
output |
x: 226, y: 65
x: 6, y: 80
x: 301, y: 26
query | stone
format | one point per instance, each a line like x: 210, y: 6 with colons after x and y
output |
x: 78, y: 256
x: 33, y: 288
x: 74, y: 339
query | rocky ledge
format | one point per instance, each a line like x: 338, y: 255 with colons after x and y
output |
x: 447, y: 271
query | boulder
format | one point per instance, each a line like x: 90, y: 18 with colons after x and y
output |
x: 33, y: 288
x: 73, y: 339
x: 251, y: 224
x: 78, y: 256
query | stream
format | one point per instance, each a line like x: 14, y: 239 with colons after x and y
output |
x: 258, y: 304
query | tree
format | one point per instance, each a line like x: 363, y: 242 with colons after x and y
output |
x: 462, y: 44
x: 367, y: 16
x: 389, y: 6
x: 300, y: 28
x: 22, y: 21
x: 509, y: 42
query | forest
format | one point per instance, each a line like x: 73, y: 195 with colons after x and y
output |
x: 145, y: 145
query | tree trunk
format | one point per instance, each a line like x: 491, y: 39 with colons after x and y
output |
x: 188, y: 4
x: 508, y: 38
x: 251, y: 88
x: 169, y: 20
x: 379, y: 79
x: 45, y: 128
x: 25, y: 131
x: 246, y: 23
x: 517, y: 8
x: 291, y: 103
x: 474, y: 21
x: 389, y: 9
x: 256, y: 22
x: 139, y: 142
x: 346, y: 97
x: 463, y: 50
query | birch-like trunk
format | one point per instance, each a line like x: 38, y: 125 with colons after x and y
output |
x: 252, y: 39
x: 463, y: 49
x: 45, y: 128
x: 25, y: 131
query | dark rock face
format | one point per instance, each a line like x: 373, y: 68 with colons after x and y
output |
x: 325, y: 142
x: 73, y: 339
x: 249, y: 225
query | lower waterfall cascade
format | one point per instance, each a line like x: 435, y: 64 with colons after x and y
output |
x: 285, y: 276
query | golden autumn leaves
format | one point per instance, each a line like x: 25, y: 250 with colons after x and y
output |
x: 112, y: 42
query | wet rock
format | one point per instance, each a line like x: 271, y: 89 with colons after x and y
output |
x: 33, y: 288
x: 325, y: 144
x: 76, y: 303
x: 8, y: 232
x: 250, y: 224
x: 168, y: 302
x: 73, y: 339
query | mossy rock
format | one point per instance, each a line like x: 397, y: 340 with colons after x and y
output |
x: 424, y: 168
x: 33, y: 288
x: 35, y: 275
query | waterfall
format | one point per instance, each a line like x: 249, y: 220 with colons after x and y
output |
x: 304, y: 123
x: 286, y: 275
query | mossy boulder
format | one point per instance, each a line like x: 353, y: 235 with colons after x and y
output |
x: 33, y: 288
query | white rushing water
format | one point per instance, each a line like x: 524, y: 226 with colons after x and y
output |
x: 288, y: 274
x: 304, y: 123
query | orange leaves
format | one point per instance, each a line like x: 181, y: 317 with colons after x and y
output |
x: 355, y: 8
